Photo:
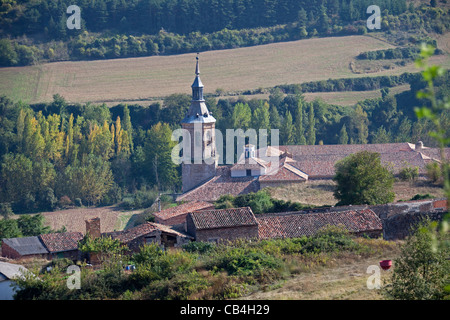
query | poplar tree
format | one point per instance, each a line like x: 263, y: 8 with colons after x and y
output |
x: 287, y: 136
x: 299, y: 132
x: 343, y: 136
x: 311, y: 132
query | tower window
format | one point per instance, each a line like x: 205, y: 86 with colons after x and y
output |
x: 249, y: 173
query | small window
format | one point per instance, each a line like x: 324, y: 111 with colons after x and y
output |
x: 249, y: 173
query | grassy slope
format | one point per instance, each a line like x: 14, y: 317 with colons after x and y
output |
x: 320, y: 192
x: 343, y: 278
x: 159, y: 76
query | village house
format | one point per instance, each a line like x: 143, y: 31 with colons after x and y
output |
x: 148, y: 233
x: 222, y: 224
x: 44, y: 246
x: 142, y: 234
x: 176, y: 216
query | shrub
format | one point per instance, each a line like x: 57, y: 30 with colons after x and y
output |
x: 244, y: 262
x: 199, y: 247
x: 409, y: 173
x: 422, y: 269
x: 154, y: 264
x: 180, y: 287
x: 433, y: 171
x: 64, y: 202
x: 422, y: 196
x: 330, y: 239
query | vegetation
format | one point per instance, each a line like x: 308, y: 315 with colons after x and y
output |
x: 201, y: 270
x: 94, y: 155
x: 24, y: 226
x: 114, y: 29
x: 259, y: 202
x: 361, y: 179
x: 422, y: 270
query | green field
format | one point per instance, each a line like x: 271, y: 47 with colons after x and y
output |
x: 147, y: 78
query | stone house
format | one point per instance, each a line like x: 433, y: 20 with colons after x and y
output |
x: 62, y: 245
x: 222, y: 224
x: 24, y: 248
x: 176, y: 216
x: 44, y: 246
x: 148, y: 233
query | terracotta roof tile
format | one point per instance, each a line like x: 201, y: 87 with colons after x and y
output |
x: 220, y: 185
x: 59, y: 242
x: 307, y: 224
x: 183, y: 209
x: 125, y: 236
x: 223, y: 218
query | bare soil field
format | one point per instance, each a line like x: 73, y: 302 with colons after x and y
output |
x: 320, y: 192
x: 136, y: 79
x: 111, y: 218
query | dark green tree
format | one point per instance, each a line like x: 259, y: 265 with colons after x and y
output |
x: 362, y: 179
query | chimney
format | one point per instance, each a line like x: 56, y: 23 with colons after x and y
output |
x: 93, y: 227
x: 419, y: 146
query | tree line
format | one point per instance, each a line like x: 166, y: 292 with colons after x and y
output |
x: 181, y: 16
x: 306, y: 19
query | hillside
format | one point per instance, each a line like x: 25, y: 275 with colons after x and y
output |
x: 135, y: 79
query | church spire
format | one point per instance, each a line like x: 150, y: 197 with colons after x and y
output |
x: 197, y: 69
x: 198, y: 112
x: 197, y: 86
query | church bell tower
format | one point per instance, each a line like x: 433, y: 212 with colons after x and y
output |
x: 200, y: 124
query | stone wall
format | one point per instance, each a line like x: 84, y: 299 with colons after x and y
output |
x: 399, y: 219
x: 223, y: 234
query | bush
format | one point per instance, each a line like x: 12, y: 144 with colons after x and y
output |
x: 64, y: 202
x: 199, y: 247
x: 245, y: 262
x: 142, y: 198
x: 422, y: 269
x: 78, y: 202
x: 433, y: 171
x: 422, y: 196
x: 154, y: 264
x: 180, y: 287
x: 409, y: 174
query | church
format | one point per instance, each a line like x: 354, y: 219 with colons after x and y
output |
x: 204, y: 180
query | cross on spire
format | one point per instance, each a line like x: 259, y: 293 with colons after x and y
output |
x: 197, y: 69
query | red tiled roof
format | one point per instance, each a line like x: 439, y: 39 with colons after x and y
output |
x: 223, y: 218
x: 58, y: 242
x: 183, y: 209
x: 220, y: 185
x: 307, y: 224
x: 286, y: 172
x: 128, y: 235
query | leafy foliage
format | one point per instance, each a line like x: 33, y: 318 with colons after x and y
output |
x: 422, y: 270
x: 361, y: 179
